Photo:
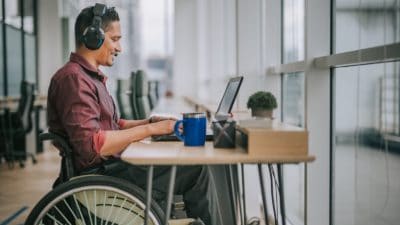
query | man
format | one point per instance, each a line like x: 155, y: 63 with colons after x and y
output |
x: 81, y: 109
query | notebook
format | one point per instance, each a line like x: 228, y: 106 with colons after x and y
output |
x: 223, y: 111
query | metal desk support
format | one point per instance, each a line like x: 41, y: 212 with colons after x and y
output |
x: 170, y: 194
x: 148, y: 193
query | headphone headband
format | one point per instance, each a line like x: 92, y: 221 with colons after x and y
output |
x: 93, y: 36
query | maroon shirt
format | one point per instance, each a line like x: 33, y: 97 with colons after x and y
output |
x: 80, y: 108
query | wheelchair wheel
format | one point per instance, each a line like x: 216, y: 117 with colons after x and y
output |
x: 94, y: 199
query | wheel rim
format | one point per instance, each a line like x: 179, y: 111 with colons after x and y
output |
x: 95, y: 205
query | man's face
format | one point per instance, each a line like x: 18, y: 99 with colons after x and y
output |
x: 111, y: 46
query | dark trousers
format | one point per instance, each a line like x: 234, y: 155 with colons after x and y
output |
x: 195, y: 183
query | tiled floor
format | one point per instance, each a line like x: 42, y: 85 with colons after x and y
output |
x: 23, y: 187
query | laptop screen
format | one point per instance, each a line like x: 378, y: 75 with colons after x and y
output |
x: 231, y: 91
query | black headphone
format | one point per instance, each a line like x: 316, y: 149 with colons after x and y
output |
x: 93, y: 36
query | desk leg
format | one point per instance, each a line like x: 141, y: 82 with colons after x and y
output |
x: 170, y: 194
x: 231, y: 189
x: 149, y: 189
x: 241, y: 189
x: 281, y: 194
x: 264, y: 197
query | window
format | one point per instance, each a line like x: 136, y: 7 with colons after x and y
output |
x: 28, y: 16
x: 366, y: 135
x: 30, y: 58
x: 293, y: 30
x: 1, y: 11
x: 293, y: 99
x: 14, y: 60
x: 370, y: 23
x: 1, y: 60
x: 12, y: 14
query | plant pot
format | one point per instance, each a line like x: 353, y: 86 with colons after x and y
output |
x: 265, y: 113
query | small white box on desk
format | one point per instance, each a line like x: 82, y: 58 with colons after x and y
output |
x: 280, y: 139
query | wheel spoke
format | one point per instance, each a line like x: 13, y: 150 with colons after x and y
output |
x: 95, y: 208
x: 130, y: 210
x: 120, y: 209
x: 54, y: 219
x: 69, y: 207
x: 62, y: 214
x: 79, y: 209
x: 110, y: 212
x: 88, y: 208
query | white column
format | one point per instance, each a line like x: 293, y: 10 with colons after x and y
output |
x: 50, y: 42
x: 185, y: 54
x: 318, y: 107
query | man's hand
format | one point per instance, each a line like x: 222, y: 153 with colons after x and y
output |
x: 155, y: 119
x: 165, y: 126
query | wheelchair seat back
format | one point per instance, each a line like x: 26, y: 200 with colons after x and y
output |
x: 67, y: 170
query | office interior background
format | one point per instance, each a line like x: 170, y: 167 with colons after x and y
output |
x: 334, y: 66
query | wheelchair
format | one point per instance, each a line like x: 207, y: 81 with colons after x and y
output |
x: 92, y: 199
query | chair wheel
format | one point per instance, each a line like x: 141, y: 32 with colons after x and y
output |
x: 21, y: 165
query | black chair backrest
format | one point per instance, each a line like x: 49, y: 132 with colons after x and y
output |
x: 142, y: 92
x: 132, y: 96
x: 123, y: 99
x: 152, y: 94
x: 25, y: 105
x: 67, y: 170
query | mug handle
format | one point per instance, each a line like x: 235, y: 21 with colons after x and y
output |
x: 176, y: 130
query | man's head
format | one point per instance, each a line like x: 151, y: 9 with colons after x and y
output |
x: 104, y: 55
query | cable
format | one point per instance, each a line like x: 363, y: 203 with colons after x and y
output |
x: 273, y: 196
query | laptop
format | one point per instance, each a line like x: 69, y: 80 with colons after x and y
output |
x: 223, y: 111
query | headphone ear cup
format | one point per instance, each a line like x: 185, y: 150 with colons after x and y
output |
x: 93, y: 38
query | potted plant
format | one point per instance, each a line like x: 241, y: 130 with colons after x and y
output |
x: 262, y: 104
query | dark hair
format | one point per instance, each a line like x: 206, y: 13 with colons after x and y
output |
x: 85, y: 19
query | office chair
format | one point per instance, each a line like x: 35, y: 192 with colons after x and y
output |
x: 153, y: 93
x: 132, y: 96
x: 19, y: 124
x: 123, y: 99
x: 142, y: 92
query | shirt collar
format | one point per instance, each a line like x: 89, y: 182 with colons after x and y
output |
x: 87, y: 66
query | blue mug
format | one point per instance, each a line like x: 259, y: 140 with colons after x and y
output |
x: 194, y: 129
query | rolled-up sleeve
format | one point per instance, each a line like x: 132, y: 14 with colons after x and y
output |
x: 80, y: 111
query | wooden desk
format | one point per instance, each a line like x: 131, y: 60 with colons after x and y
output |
x: 151, y: 153
x: 175, y: 153
x: 11, y: 103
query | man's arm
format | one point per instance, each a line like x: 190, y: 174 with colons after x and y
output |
x: 126, y: 124
x: 117, y: 140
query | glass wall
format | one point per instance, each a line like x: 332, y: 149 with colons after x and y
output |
x: 370, y: 23
x: 14, y: 60
x: 28, y: 16
x: 1, y: 59
x: 367, y: 147
x: 12, y: 14
x: 18, y: 37
x: 1, y: 52
x: 366, y: 134
x: 293, y: 30
x: 293, y: 99
x: 30, y: 58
